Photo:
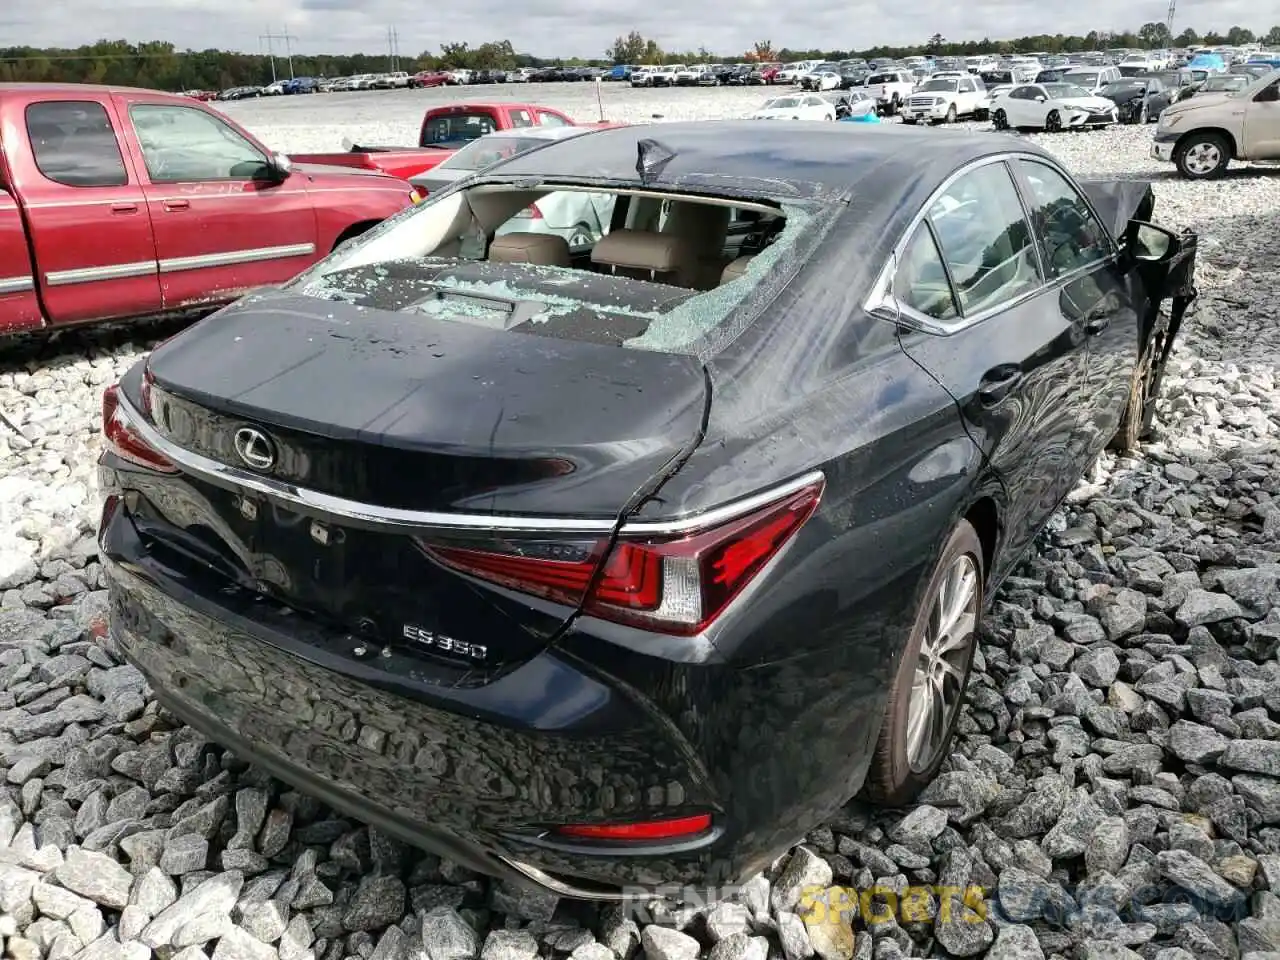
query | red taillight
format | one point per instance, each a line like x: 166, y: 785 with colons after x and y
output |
x: 123, y: 439
x: 531, y: 212
x: 673, y: 829
x: 676, y: 585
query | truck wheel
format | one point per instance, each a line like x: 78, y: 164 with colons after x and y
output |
x: 928, y: 688
x: 951, y: 114
x: 1202, y: 156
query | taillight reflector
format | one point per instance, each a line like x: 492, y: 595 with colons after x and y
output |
x: 531, y: 212
x: 672, y: 829
x: 124, y: 441
x: 677, y: 585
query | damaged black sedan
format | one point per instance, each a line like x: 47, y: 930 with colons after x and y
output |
x: 624, y: 553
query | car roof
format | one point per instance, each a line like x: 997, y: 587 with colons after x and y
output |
x: 82, y: 88
x: 799, y: 159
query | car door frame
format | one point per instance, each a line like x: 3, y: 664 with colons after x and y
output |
x: 884, y: 304
x: 1109, y: 322
x: 1264, y: 114
x: 59, y: 215
x: 214, y: 275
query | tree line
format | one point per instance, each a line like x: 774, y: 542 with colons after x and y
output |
x: 163, y: 66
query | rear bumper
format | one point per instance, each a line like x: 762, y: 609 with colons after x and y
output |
x: 480, y: 773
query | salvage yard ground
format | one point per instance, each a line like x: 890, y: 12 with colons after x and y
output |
x: 1122, y: 732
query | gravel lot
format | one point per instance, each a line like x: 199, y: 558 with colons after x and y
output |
x: 1118, y: 763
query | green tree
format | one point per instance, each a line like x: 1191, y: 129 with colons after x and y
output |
x: 1154, y: 35
x: 935, y: 43
x: 1272, y: 38
x: 1239, y: 35
x: 628, y: 49
x: 1187, y: 38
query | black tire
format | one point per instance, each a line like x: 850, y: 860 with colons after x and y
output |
x: 981, y: 115
x: 1000, y: 120
x: 1196, y: 152
x: 893, y: 780
x: 1144, y: 388
x: 1144, y: 115
x: 951, y: 114
x: 1053, y: 122
x: 910, y: 121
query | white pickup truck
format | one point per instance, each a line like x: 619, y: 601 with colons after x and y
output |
x: 945, y: 99
x: 1202, y: 135
x: 890, y: 89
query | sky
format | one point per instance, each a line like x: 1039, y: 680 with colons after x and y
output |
x: 585, y: 28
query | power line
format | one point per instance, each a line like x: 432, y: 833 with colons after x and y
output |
x: 270, y: 38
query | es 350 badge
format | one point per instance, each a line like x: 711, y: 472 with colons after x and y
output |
x: 422, y: 637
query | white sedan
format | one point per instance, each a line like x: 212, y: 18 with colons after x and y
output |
x: 796, y: 107
x: 1051, y: 107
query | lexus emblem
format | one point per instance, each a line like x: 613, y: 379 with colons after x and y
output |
x: 255, y: 449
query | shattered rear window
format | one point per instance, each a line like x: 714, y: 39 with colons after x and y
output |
x: 435, y: 262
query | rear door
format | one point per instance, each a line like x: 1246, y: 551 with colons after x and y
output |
x: 222, y: 225
x: 90, y: 232
x: 998, y: 338
x: 1082, y: 259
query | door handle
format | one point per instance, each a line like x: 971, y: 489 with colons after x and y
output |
x: 124, y: 208
x: 1095, y: 325
x: 998, y: 383
x: 177, y: 204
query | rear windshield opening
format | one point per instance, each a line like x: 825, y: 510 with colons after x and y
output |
x: 633, y: 268
x: 456, y: 128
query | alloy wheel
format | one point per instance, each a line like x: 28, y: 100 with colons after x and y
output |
x: 942, y: 662
x: 1203, y: 158
x: 1053, y: 122
x: 1000, y: 120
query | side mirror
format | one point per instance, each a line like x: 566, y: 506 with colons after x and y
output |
x: 280, y: 166
x: 1041, y: 98
x: 1148, y: 243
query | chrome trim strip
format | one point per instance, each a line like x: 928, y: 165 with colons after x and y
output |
x: 882, y: 296
x: 116, y: 271
x: 722, y: 514
x: 560, y: 888
x: 324, y: 505
x: 231, y: 257
x: 16, y: 284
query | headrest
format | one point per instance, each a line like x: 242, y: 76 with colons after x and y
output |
x: 545, y: 249
x: 640, y: 250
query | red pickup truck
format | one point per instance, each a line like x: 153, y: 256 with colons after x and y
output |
x: 444, y: 130
x: 118, y: 203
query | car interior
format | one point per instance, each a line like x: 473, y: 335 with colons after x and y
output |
x: 695, y: 243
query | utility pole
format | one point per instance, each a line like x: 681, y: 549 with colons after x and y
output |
x: 287, y: 38
x: 1168, y: 20
x: 393, y: 49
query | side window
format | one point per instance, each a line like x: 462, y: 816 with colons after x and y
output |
x: 1070, y: 234
x: 550, y: 119
x: 985, y: 240
x: 74, y: 144
x: 184, y: 144
x: 521, y: 118
x: 921, y: 282
x: 1020, y: 93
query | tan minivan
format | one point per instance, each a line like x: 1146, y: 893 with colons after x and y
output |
x: 1203, y: 134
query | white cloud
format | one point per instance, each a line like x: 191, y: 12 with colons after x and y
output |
x: 577, y: 28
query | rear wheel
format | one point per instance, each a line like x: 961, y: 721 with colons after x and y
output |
x: 1000, y: 120
x: 1202, y: 156
x: 928, y: 688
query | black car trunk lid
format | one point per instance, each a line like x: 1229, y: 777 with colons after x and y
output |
x: 386, y: 430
